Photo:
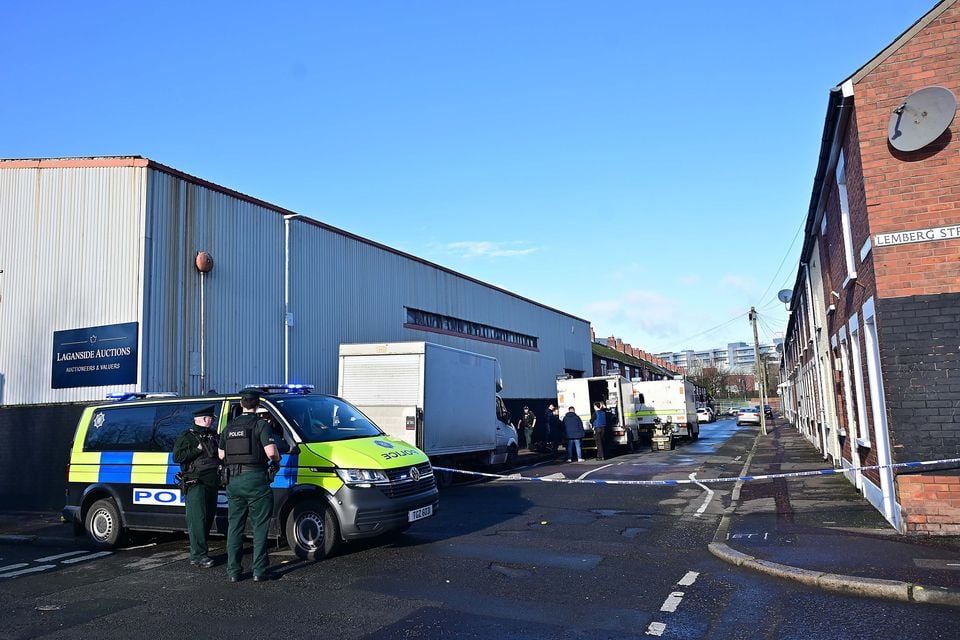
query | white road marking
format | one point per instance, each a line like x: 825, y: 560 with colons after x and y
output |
x: 555, y: 476
x: 688, y: 579
x: 14, y: 574
x: 57, y: 557
x: 737, y: 459
x: 91, y: 556
x: 707, y: 500
x: 672, y: 602
x: 656, y: 629
x: 594, y: 471
x: 11, y: 567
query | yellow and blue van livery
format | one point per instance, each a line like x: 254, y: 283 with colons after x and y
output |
x: 341, y: 478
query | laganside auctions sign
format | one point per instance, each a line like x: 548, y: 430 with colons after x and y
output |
x: 95, y: 356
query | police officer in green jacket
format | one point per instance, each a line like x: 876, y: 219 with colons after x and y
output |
x: 248, y: 449
x: 196, y: 450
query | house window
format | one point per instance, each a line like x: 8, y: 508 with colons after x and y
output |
x: 874, y: 375
x: 603, y: 367
x: 845, y: 220
x: 863, y: 431
x: 848, y: 402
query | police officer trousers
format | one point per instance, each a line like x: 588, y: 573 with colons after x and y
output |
x: 201, y: 504
x: 248, y: 492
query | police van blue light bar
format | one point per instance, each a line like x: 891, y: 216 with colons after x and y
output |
x: 120, y: 396
x: 282, y: 388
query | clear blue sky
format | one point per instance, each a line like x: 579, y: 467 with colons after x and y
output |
x: 640, y: 165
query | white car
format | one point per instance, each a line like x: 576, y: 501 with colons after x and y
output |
x: 704, y: 416
x: 748, y: 415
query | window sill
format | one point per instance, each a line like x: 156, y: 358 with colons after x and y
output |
x: 864, y: 444
x: 851, y: 278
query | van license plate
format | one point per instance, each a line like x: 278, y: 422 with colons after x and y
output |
x: 419, y: 514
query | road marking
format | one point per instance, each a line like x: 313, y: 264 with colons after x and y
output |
x: 656, y: 629
x: 555, y: 476
x: 11, y: 567
x: 91, y: 556
x: 707, y: 500
x: 672, y: 602
x: 688, y: 579
x: 14, y: 574
x: 57, y: 557
x: 594, y: 470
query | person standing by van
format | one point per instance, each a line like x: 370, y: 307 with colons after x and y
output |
x: 529, y: 421
x: 573, y: 429
x: 195, y: 450
x: 248, y: 448
x: 599, y: 427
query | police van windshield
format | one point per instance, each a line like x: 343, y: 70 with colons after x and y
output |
x: 325, y: 419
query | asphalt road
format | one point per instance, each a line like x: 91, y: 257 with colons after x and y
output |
x: 502, y: 559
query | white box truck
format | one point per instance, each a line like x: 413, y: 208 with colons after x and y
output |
x: 442, y: 400
x: 616, y: 392
x: 673, y: 400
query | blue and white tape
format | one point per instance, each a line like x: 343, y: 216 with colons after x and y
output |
x: 660, y: 483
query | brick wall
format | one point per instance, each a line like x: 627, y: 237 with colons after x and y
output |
x: 920, y: 358
x: 920, y: 189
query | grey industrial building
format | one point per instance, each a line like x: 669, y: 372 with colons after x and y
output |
x: 101, y: 291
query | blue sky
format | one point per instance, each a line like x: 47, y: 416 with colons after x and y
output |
x: 644, y: 166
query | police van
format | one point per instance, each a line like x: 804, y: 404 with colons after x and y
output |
x: 341, y: 478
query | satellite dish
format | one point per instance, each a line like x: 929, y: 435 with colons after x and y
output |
x: 922, y: 117
x: 785, y: 295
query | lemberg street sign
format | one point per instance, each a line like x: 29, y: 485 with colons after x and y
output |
x: 917, y: 235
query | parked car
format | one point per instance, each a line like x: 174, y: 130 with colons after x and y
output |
x: 748, y: 415
x: 704, y: 415
x: 733, y: 411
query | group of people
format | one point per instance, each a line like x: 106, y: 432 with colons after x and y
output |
x: 548, y: 434
x: 248, y: 454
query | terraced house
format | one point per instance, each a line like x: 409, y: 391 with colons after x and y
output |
x: 871, y: 362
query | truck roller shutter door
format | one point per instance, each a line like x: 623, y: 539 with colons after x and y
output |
x: 390, y: 380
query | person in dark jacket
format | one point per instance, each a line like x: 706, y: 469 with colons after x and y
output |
x: 196, y: 453
x: 529, y: 422
x: 573, y: 430
x: 555, y: 429
x: 599, y: 427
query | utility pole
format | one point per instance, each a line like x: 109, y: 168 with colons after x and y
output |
x: 761, y: 373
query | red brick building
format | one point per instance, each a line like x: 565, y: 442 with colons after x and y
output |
x: 871, y: 364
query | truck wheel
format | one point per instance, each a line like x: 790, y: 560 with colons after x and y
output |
x: 695, y: 433
x: 444, y: 478
x: 673, y: 443
x: 512, y: 455
x: 312, y: 530
x: 103, y: 525
x: 653, y: 446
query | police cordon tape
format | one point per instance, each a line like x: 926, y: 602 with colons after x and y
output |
x: 660, y: 483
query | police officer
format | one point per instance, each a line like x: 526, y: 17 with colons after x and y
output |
x: 196, y: 450
x: 248, y: 449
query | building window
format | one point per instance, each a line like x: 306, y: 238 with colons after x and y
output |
x: 863, y: 432
x: 427, y: 321
x: 847, y: 234
x: 603, y: 367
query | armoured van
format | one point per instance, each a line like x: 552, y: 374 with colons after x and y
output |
x: 442, y: 400
x: 341, y: 478
x: 616, y: 393
x: 670, y: 400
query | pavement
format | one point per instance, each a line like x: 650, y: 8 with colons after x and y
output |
x: 821, y: 532
x: 815, y: 530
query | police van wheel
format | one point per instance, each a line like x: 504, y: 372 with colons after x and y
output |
x: 695, y: 433
x: 512, y: 456
x: 103, y: 525
x: 312, y: 530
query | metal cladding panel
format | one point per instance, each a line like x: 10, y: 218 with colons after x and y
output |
x: 243, y: 294
x: 72, y: 254
x: 348, y: 291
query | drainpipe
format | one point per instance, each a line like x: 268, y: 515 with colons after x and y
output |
x: 287, y: 314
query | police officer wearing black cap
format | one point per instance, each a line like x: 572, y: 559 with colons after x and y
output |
x: 196, y: 450
x: 248, y: 449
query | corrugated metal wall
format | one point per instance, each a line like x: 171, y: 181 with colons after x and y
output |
x: 81, y: 242
x: 243, y: 295
x: 349, y: 291
x: 71, y: 256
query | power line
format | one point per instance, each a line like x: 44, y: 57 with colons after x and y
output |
x: 711, y: 329
x: 785, y: 256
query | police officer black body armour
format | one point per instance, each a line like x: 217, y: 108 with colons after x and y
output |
x: 196, y: 451
x: 248, y: 450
